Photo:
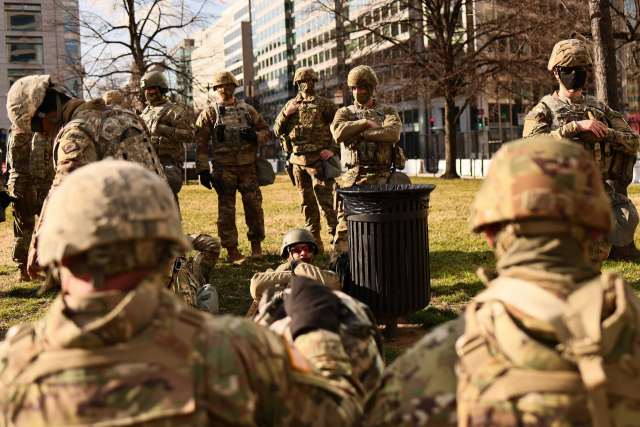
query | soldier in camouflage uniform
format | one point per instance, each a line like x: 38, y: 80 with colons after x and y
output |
x: 570, y: 114
x: 30, y: 177
x: 117, y: 349
x: 235, y: 129
x: 190, y: 275
x: 113, y: 97
x: 550, y: 342
x: 170, y: 127
x: 367, y: 132
x: 84, y: 132
x: 303, y: 126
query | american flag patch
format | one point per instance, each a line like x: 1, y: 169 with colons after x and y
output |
x: 532, y: 114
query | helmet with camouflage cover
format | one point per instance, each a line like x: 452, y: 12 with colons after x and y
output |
x: 113, y: 97
x: 569, y: 53
x: 296, y: 236
x: 362, y: 75
x: 26, y: 96
x: 224, y: 77
x: 305, y: 73
x: 154, y: 79
x: 116, y: 215
x: 542, y: 179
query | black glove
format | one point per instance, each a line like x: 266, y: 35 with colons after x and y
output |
x: 220, y: 133
x: 293, y: 265
x: 249, y: 135
x: 311, y: 306
x: 6, y: 199
x: 206, y: 179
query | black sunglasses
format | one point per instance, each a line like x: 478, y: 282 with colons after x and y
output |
x: 569, y: 70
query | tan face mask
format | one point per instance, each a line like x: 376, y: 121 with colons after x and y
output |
x: 306, y: 87
x: 153, y: 97
x: 363, y: 98
x: 226, y: 93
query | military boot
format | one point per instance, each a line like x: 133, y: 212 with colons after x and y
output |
x: 23, y: 274
x: 319, y: 242
x: 235, y: 256
x: 256, y: 250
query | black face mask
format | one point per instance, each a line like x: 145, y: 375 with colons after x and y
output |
x: 574, y: 81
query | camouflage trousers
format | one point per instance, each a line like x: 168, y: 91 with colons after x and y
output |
x: 244, y: 179
x: 32, y: 194
x: 315, y: 190
x: 355, y: 176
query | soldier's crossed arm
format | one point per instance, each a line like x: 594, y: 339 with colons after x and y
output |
x: 204, y: 127
x: 537, y: 121
x: 390, y: 129
x: 177, y: 126
x: 260, y: 126
x: 344, y: 129
x: 621, y: 136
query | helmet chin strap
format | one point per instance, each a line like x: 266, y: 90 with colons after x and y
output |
x: 58, y: 120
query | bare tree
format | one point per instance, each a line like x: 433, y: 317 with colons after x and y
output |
x: 456, y: 49
x: 123, y: 39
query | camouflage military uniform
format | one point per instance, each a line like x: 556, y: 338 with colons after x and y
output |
x: 190, y: 274
x: 367, y: 152
x: 170, y: 128
x: 123, y: 351
x: 233, y: 167
x: 31, y: 175
x: 559, y: 116
x: 537, y: 348
x: 305, y: 134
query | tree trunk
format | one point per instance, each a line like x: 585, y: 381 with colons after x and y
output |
x: 604, y: 53
x: 606, y: 79
x: 450, y: 146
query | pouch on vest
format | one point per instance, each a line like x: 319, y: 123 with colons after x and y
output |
x: 398, y: 158
x: 332, y: 167
x: 264, y: 170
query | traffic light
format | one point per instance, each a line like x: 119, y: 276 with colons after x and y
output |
x: 480, y: 123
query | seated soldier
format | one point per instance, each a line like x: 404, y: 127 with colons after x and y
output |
x: 190, y: 275
x: 298, y: 248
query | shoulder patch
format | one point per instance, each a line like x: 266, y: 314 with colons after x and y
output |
x: 19, y: 131
x: 297, y: 360
x: 70, y: 146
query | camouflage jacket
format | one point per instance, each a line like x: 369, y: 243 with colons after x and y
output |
x: 433, y: 384
x: 306, y: 132
x: 189, y: 274
x: 170, y: 127
x: 143, y: 357
x: 364, y: 146
x: 93, y: 131
x: 205, y: 131
x: 30, y: 158
x: 558, y: 116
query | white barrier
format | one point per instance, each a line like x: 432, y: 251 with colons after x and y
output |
x: 476, y: 168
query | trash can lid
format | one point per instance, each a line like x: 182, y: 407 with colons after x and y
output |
x: 360, y: 199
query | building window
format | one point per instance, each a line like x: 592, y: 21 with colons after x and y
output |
x: 23, y: 17
x: 15, y: 74
x: 24, y: 50
x: 73, y: 84
x: 70, y: 20
x: 71, y: 51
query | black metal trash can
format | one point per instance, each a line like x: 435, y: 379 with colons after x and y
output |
x: 389, y: 247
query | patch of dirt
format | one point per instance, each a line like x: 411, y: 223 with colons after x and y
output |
x: 406, y: 337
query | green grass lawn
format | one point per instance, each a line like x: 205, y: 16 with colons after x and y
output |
x: 455, y: 252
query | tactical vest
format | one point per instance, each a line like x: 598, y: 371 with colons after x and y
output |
x: 19, y: 149
x: 116, y: 133
x: 235, y: 118
x: 613, y: 164
x: 308, y: 130
x: 363, y: 152
x: 150, y: 379
x: 500, y: 361
x: 162, y: 145
x: 41, y: 159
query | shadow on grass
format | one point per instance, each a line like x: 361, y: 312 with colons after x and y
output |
x: 456, y: 262
x: 27, y: 291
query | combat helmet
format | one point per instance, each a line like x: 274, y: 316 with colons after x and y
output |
x: 542, y: 179
x: 114, y: 214
x: 296, y: 236
x: 26, y: 96
x: 113, y: 97
x: 570, y: 53
x: 362, y: 75
x: 154, y: 79
x: 223, y: 78
x: 305, y: 73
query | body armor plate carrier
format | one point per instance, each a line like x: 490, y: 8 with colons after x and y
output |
x: 363, y: 152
